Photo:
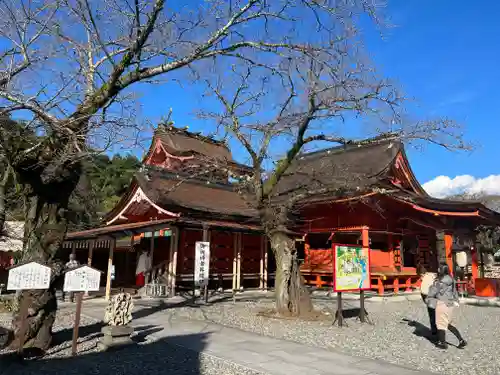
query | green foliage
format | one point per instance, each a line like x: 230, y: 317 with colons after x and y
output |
x: 101, y: 186
x: 103, y: 182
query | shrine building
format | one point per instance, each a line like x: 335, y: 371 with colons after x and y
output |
x: 173, y: 202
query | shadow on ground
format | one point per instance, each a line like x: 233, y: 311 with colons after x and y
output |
x: 420, y: 330
x: 165, y: 356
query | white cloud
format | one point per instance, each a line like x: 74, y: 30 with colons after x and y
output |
x: 443, y: 186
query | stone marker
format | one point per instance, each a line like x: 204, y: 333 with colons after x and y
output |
x: 118, y: 317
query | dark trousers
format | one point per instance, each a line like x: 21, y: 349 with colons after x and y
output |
x: 432, y: 317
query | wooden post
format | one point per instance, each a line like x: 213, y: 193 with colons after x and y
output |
x: 23, y: 311
x: 481, y: 265
x: 235, y: 260
x: 339, y: 316
x: 174, y: 247
x: 91, y: 253
x: 206, y: 238
x: 440, y: 247
x: 365, y: 237
x: 89, y: 258
x: 149, y: 273
x: 77, y: 322
x: 475, y: 266
x: 238, y: 261
x: 448, y: 245
x: 390, y: 247
x: 261, y: 276
x: 265, y: 261
x: 362, y: 311
x: 112, y: 244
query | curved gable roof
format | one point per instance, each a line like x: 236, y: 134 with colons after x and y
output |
x: 345, y: 167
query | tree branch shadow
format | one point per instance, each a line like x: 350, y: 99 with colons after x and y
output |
x: 163, y: 356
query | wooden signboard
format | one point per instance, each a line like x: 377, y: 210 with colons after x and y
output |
x: 351, y: 268
x: 351, y: 273
x: 82, y: 279
x: 29, y: 276
x: 79, y: 280
x: 202, y: 264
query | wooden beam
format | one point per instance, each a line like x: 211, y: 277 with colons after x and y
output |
x: 172, y: 266
x: 112, y: 245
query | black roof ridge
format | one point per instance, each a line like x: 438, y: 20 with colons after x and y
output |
x: 169, y: 127
x: 372, y: 142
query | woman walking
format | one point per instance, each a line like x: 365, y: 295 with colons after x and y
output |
x: 443, y: 296
x: 428, y: 279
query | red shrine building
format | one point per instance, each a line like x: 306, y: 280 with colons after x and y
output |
x: 173, y: 202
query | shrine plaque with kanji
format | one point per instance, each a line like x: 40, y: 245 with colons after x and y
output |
x: 29, y: 276
x: 82, y: 279
x: 201, y: 263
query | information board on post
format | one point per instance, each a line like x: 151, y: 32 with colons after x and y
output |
x: 351, y: 271
x: 202, y: 263
x: 29, y: 276
x: 82, y: 279
x: 78, y: 280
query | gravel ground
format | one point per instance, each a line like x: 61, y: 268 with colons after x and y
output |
x: 396, y: 335
x: 151, y: 355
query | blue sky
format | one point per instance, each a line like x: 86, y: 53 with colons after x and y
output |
x: 444, y: 54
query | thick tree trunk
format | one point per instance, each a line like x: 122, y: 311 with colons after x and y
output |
x: 4, y: 179
x: 46, y: 225
x: 292, y: 297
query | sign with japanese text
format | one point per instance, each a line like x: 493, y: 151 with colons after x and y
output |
x: 202, y: 263
x: 351, y: 271
x: 29, y: 276
x: 82, y: 279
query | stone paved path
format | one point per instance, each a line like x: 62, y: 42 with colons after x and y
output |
x: 260, y: 353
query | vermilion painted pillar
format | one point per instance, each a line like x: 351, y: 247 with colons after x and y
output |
x: 475, y: 265
x: 390, y: 247
x: 365, y: 238
x: 448, y: 244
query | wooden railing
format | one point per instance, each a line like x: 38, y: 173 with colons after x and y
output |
x: 157, y: 275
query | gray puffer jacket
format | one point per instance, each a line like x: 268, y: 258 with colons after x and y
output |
x: 444, y: 289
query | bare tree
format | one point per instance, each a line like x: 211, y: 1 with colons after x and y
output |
x: 305, y: 103
x: 72, y: 65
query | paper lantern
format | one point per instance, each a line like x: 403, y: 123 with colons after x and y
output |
x: 461, y: 258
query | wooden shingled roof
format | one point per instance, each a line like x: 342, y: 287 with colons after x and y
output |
x: 171, y: 191
x: 351, y: 168
x: 181, y: 142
